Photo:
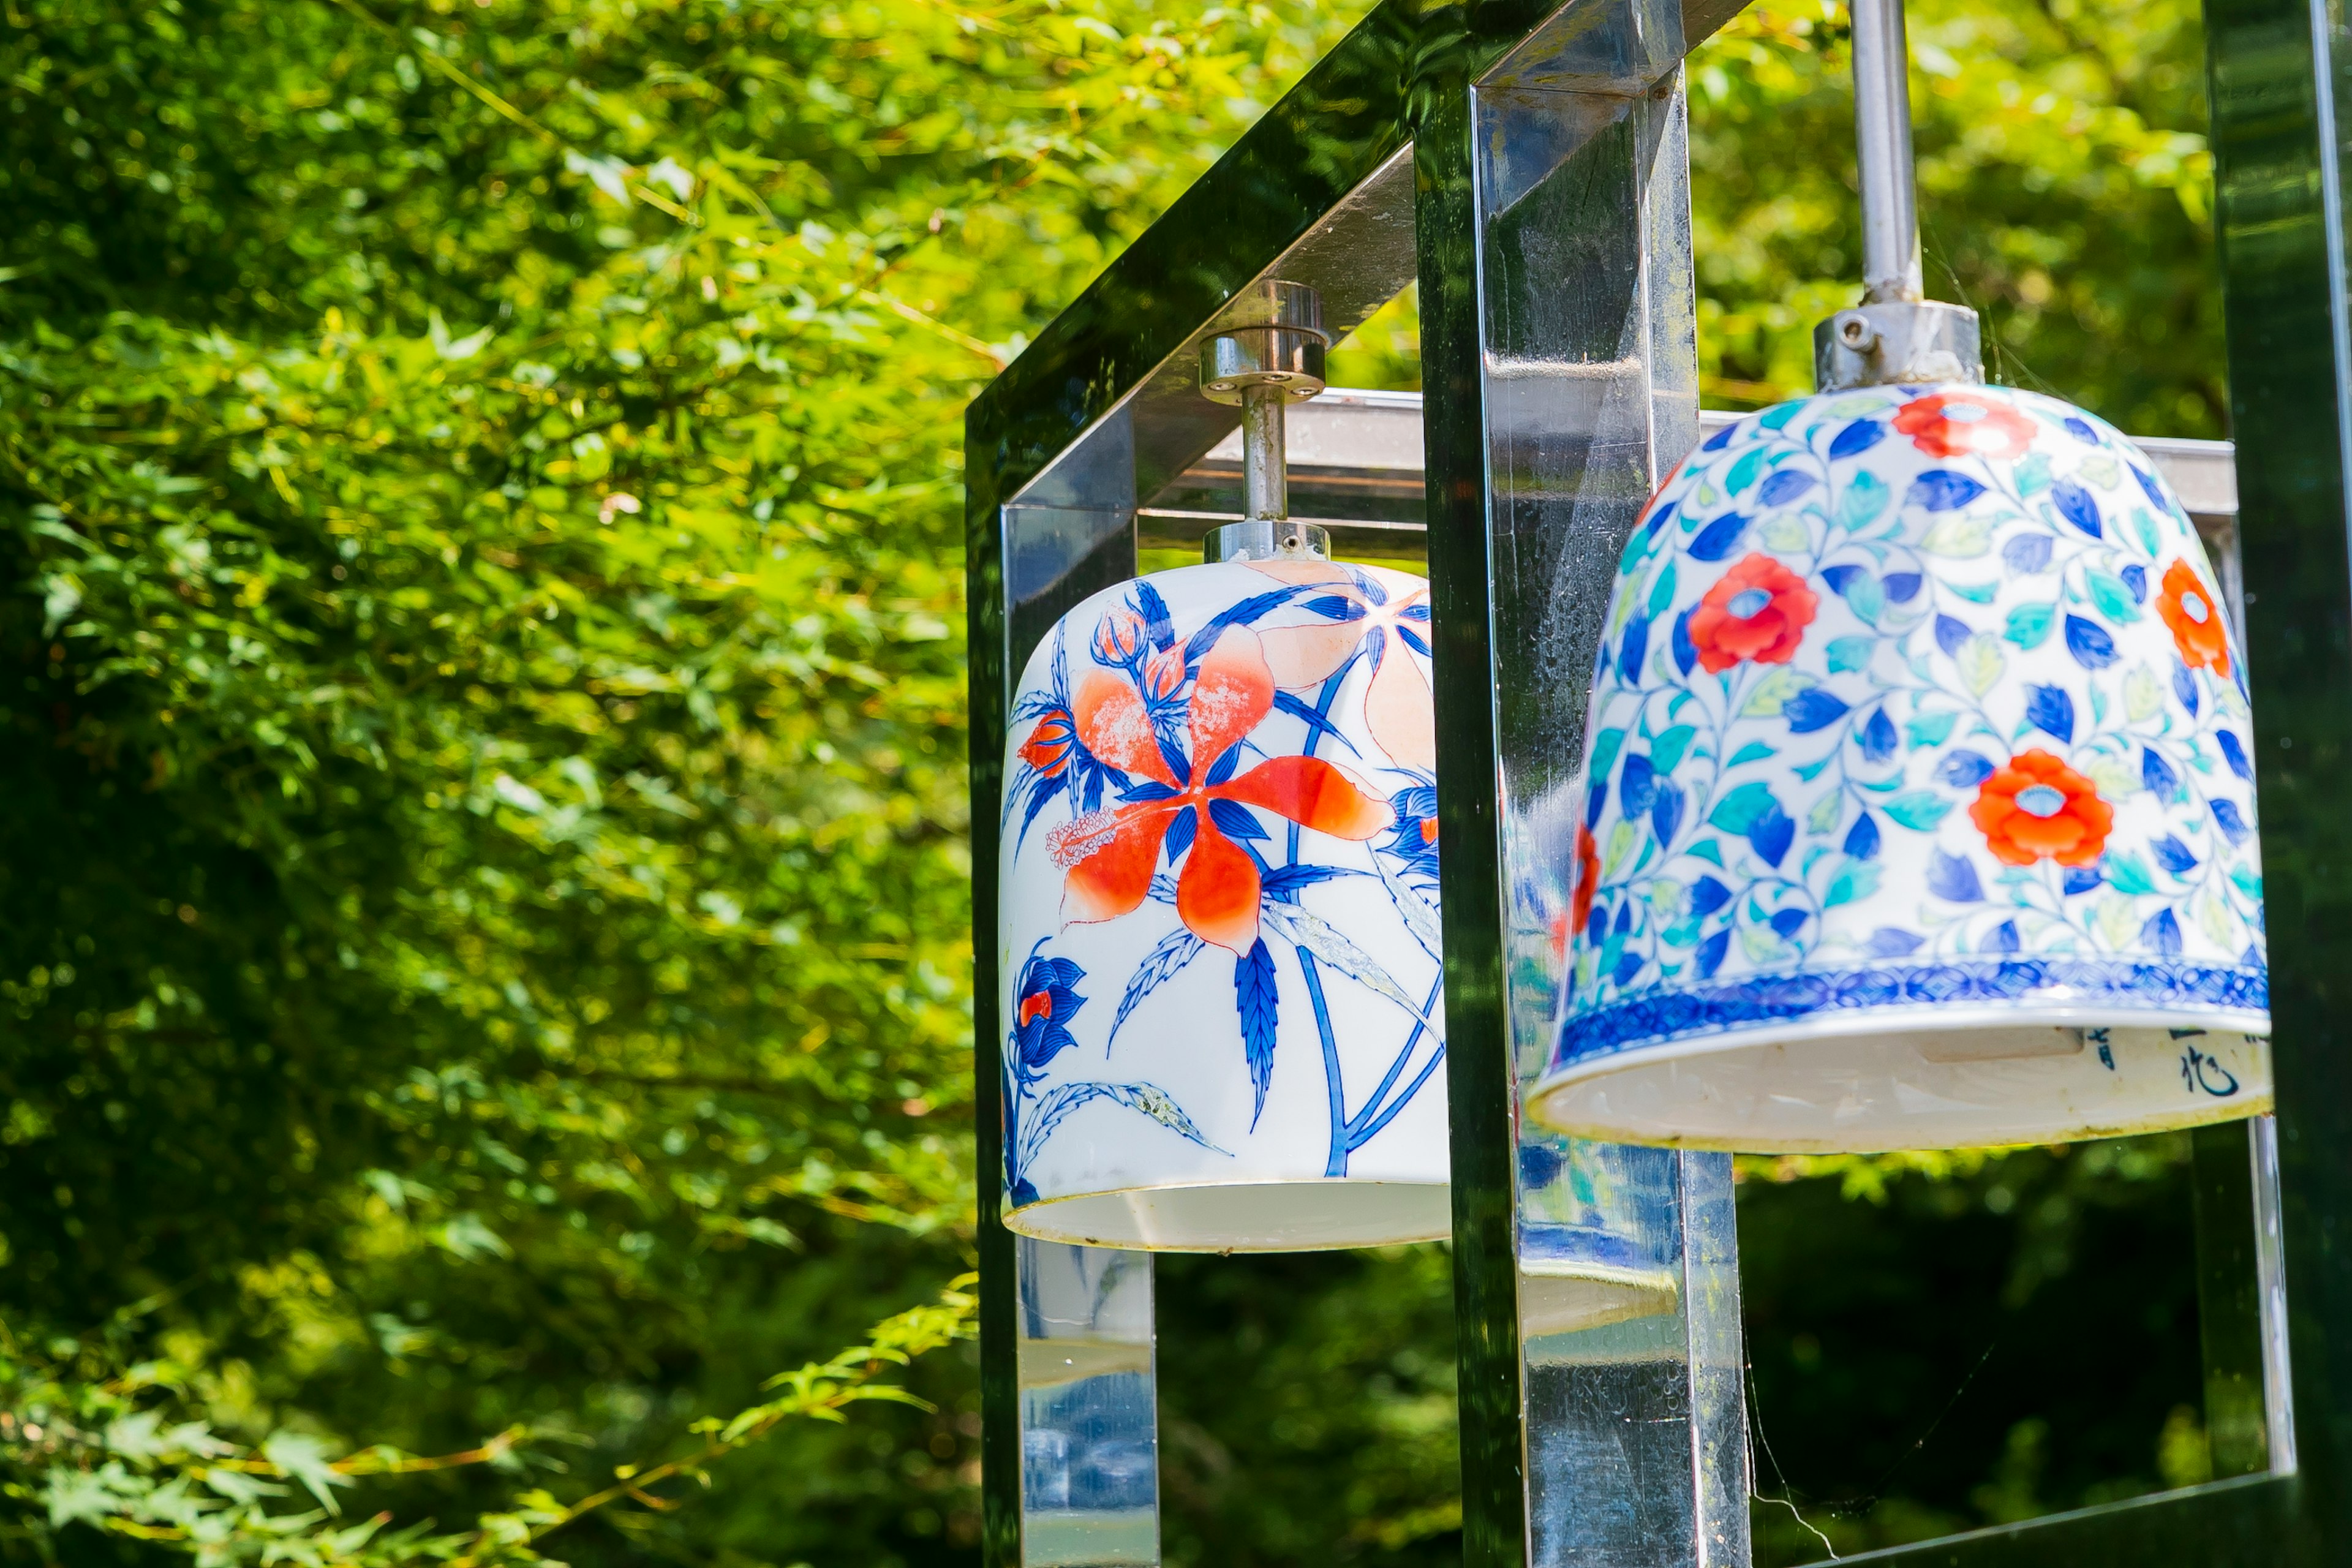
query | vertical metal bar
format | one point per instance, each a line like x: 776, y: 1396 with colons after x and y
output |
x: 2275, y: 68
x: 1601, y: 1417
x: 1028, y: 564
x: 2229, y: 1299
x: 1089, y: 1428
x: 2270, y: 1272
x: 1882, y: 122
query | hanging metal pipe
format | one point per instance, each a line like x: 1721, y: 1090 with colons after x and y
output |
x: 1896, y: 336
x: 1891, y: 272
x: 1266, y: 479
x: 1267, y: 353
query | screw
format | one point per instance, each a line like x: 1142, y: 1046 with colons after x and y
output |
x: 1854, y: 331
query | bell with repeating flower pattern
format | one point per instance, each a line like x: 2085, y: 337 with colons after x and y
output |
x: 1917, y: 802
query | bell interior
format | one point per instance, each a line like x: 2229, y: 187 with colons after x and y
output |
x: 1926, y: 1084
x: 1254, y: 1217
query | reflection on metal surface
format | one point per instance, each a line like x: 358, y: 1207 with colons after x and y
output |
x: 2270, y: 1273
x: 1090, y: 1435
x: 1636, y: 1450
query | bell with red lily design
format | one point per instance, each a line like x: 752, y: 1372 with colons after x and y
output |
x: 1918, y: 806
x: 1218, y: 895
x: 1219, y: 907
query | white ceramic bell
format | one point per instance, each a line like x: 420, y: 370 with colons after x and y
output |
x: 1918, y: 806
x: 1223, y: 1017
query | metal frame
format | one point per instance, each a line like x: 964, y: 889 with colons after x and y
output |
x: 1370, y: 174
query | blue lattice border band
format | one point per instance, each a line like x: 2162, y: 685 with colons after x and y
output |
x: 1667, y: 1013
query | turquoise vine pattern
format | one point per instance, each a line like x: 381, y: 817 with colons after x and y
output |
x: 1912, y: 682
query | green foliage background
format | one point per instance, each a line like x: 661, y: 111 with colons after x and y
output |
x: 482, y: 901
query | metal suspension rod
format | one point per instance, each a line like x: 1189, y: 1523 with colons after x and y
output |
x: 1891, y: 272
x: 1265, y: 476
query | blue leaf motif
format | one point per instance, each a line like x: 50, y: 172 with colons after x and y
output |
x: 2081, y: 432
x: 1594, y: 803
x: 2232, y: 822
x: 2026, y: 553
x: 1942, y: 489
x: 1952, y: 878
x: 2162, y: 932
x: 1891, y: 941
x: 1772, y: 835
x: 1720, y: 439
x: 1706, y: 896
x: 1628, y: 966
x: 1840, y: 578
x: 1685, y: 651
x: 2233, y: 752
x: 1717, y: 539
x: 2150, y: 487
x: 1857, y: 437
x: 2002, y: 938
x: 1862, y: 839
x: 1637, y: 785
x: 1236, y: 820
x: 1744, y: 807
x: 1636, y: 644
x: 2049, y: 710
x: 1787, y: 923
x: 2089, y: 643
x: 1666, y: 813
x: 2077, y: 506
x: 1711, y: 951
x: 1878, y: 738
x: 1963, y: 770
x: 1812, y: 709
x: 2172, y: 855
x: 2080, y: 878
x: 1660, y: 518
x: 2136, y: 578
x: 2184, y: 686
x: 2160, y: 775
x: 1784, y: 487
x: 1902, y: 587
x: 1950, y: 632
x: 1255, y: 996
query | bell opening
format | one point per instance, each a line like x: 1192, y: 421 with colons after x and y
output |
x: 1923, y: 1083
x: 1318, y: 1214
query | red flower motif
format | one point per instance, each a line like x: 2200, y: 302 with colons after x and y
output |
x: 2187, y: 608
x: 1588, y: 878
x: 1397, y: 706
x: 1047, y: 749
x: 1964, y: 424
x: 1109, y: 855
x: 1759, y: 610
x: 2037, y: 808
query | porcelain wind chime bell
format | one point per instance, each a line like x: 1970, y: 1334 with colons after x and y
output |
x: 1917, y: 803
x: 1219, y: 894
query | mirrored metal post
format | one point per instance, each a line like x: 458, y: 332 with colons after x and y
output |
x: 1597, y: 1287
x: 1090, y: 1431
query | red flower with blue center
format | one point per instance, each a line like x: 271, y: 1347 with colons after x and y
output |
x: 1195, y: 805
x: 1046, y: 1000
x: 1964, y: 424
x: 1758, y: 610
